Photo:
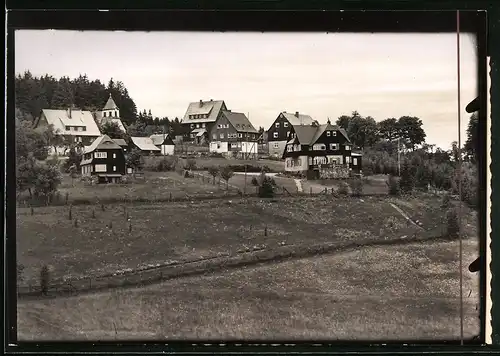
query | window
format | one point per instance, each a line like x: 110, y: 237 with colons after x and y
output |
x: 299, y: 162
x: 289, y: 148
x: 114, y: 155
x: 355, y: 161
x: 197, y: 126
x: 288, y: 134
x: 276, y: 145
x: 275, y: 135
x: 221, y: 135
x: 68, y: 128
x: 347, y: 158
x: 101, y: 155
x: 233, y: 145
x: 192, y: 126
x: 203, y: 125
x: 80, y: 128
x: 334, y: 146
x: 328, y: 133
x: 84, y: 128
x: 285, y: 124
x: 100, y: 168
x: 114, y: 168
x: 116, y: 114
x: 334, y: 133
x: 104, y: 114
x: 347, y: 147
x: 319, y: 147
x: 277, y: 125
x: 240, y: 135
x: 214, y: 136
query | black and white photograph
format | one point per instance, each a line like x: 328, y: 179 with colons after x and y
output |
x: 264, y: 186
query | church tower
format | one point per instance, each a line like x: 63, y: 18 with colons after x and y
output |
x: 110, y: 109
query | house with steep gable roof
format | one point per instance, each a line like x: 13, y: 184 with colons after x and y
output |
x: 105, y: 159
x: 314, y: 146
x: 282, y: 130
x: 199, y: 119
x: 145, y: 145
x: 233, y: 134
x: 76, y: 127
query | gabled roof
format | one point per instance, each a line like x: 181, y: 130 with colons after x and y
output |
x: 120, y: 142
x: 305, y: 133
x: 61, y: 118
x: 144, y: 143
x: 329, y: 127
x: 160, y: 139
x: 210, y: 108
x: 300, y: 120
x: 110, y: 104
x: 309, y: 134
x: 239, y: 121
x: 102, y: 143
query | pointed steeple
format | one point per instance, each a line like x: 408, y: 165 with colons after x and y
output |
x: 328, y: 121
x: 110, y: 104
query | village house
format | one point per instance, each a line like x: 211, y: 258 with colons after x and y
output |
x: 234, y: 135
x: 76, y: 127
x: 320, y: 151
x: 164, y: 142
x: 145, y: 145
x: 104, y: 159
x: 110, y: 114
x: 199, y: 120
x: 282, y: 130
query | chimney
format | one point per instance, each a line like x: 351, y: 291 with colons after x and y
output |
x: 211, y: 100
x: 297, y: 114
x: 201, y: 103
x: 69, y: 112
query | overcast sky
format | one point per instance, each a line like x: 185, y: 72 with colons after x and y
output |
x: 262, y: 74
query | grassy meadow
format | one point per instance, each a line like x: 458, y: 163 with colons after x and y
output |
x: 407, y: 292
x: 133, y: 235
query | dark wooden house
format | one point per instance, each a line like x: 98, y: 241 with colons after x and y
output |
x: 105, y: 159
x: 313, y: 147
x: 282, y: 129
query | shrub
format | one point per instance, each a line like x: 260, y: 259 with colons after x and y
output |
x: 357, y: 187
x: 226, y: 174
x: 213, y: 171
x: 452, y: 223
x: 266, y: 188
x: 44, y: 280
x: 393, y: 184
x: 343, y: 188
x: 469, y: 181
x: 125, y: 180
x: 446, y: 201
x: 166, y: 164
x: 407, y: 181
x: 255, y: 181
x: 190, y: 164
